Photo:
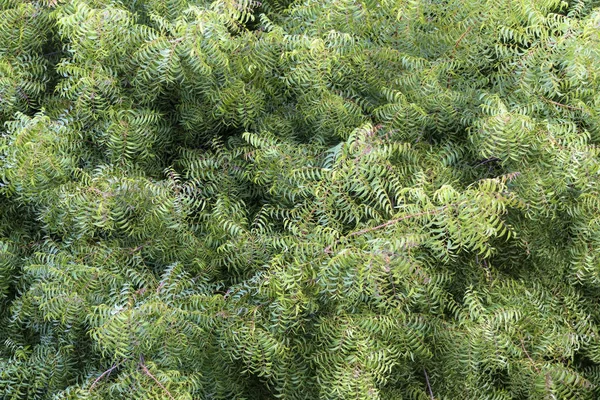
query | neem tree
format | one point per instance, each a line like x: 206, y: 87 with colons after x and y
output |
x: 319, y: 199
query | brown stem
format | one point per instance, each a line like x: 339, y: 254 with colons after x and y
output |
x: 105, y: 373
x: 428, y: 385
x: 528, y: 356
x: 562, y: 105
x: 147, y: 372
x: 390, y: 222
x: 460, y: 39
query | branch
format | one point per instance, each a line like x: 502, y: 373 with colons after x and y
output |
x: 391, y: 222
x: 487, y: 160
x: 105, y: 373
x: 460, y: 39
x: 428, y: 385
x: 561, y: 104
x: 528, y: 356
x: 145, y: 369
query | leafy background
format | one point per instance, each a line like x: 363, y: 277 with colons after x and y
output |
x: 330, y: 199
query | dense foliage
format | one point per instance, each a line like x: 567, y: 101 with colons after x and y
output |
x: 311, y: 199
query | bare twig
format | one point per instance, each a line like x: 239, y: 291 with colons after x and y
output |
x: 561, y: 104
x: 147, y: 372
x: 487, y: 160
x: 460, y: 39
x: 528, y: 356
x: 105, y: 373
x: 390, y: 222
x: 428, y: 385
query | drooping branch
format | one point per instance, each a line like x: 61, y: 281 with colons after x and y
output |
x: 105, y: 373
x: 393, y: 222
x: 147, y: 372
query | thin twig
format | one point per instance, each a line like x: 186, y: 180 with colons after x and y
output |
x: 460, y: 39
x: 390, y: 222
x: 395, y: 221
x: 145, y: 369
x: 51, y: 53
x: 528, y: 356
x: 105, y: 373
x: 487, y: 160
x: 428, y: 385
x: 562, y: 105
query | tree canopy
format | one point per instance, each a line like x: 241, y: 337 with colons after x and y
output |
x: 310, y: 199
